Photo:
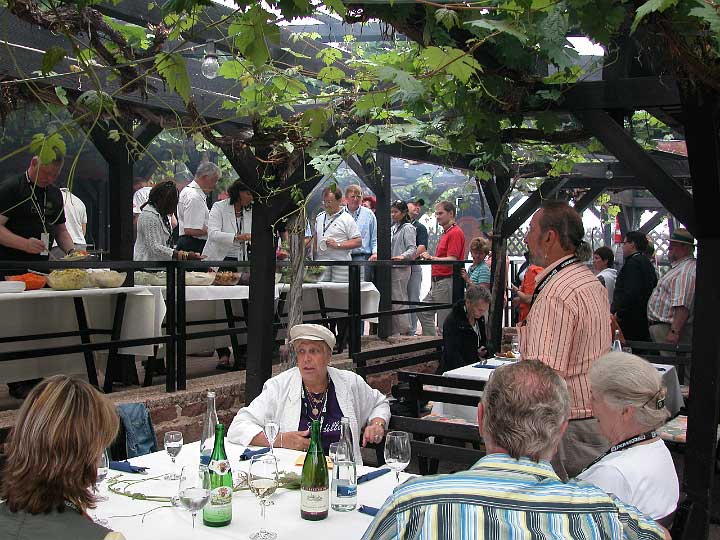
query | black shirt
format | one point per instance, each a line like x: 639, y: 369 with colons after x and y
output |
x: 25, y: 209
x: 421, y: 234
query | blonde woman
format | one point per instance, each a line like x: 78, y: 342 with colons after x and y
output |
x: 63, y: 427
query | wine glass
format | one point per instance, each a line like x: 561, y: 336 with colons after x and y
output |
x: 194, y: 489
x: 272, y: 428
x: 263, y: 480
x: 173, y: 444
x: 515, y: 347
x: 397, y: 451
x: 102, y: 471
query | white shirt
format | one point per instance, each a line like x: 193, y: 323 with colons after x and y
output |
x: 280, y: 400
x: 609, y: 275
x: 223, y: 225
x: 140, y: 197
x: 643, y: 476
x: 340, y: 227
x: 192, y: 210
x: 75, y: 216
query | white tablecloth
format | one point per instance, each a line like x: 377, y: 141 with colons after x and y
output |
x: 337, y: 295
x: 674, y: 400
x: 49, y: 311
x: 283, y: 517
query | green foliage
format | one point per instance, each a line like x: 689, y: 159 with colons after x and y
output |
x: 51, y: 58
x: 48, y: 147
x: 497, y: 26
x: 97, y: 102
x: 316, y: 121
x: 447, y: 17
x: 172, y: 68
x: 329, y: 55
x: 452, y: 61
x: 251, y: 31
x: 331, y: 74
x: 651, y: 6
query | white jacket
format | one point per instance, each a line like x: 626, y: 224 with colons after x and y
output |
x: 222, y: 228
x: 281, y: 400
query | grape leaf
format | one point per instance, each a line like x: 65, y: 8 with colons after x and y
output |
x: 329, y: 55
x: 48, y: 147
x: 454, y: 61
x: 251, y: 32
x: 648, y: 7
x: 360, y: 144
x: 172, y: 68
x: 331, y: 74
x: 447, y: 17
x: 316, y: 120
x: 337, y: 6
x: 409, y: 85
x: 51, y: 58
x: 499, y: 26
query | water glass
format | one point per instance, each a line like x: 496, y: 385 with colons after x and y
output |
x: 397, y: 451
x: 343, y: 492
x: 263, y: 481
x: 194, y: 489
x: 173, y: 444
x: 102, y: 471
x: 515, y: 347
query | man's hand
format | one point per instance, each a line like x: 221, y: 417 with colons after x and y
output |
x: 373, y: 257
x: 673, y: 337
x: 296, y: 440
x: 332, y: 243
x: 35, y: 246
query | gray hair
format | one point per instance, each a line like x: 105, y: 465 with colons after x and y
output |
x: 625, y: 380
x: 525, y: 405
x: 208, y: 169
x: 476, y: 293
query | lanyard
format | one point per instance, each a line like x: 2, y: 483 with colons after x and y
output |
x: 327, y: 225
x: 355, y: 214
x: 624, y: 445
x: 450, y: 227
x: 540, y: 286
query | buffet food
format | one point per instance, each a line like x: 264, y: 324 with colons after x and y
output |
x: 32, y: 281
x: 226, y: 278
x: 76, y: 255
x: 150, y: 278
x: 68, y: 280
x: 199, y: 278
x: 108, y: 279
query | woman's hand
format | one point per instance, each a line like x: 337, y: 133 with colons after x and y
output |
x: 295, y: 440
x: 374, y: 432
x: 243, y: 237
x: 193, y: 256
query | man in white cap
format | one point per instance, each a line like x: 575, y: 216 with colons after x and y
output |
x: 313, y: 391
x: 670, y: 308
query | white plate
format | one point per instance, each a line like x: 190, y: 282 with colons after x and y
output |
x: 12, y: 286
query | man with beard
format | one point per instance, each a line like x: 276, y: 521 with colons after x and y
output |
x: 568, y: 326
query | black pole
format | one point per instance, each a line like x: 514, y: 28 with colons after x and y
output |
x: 170, y: 330
x: 354, y: 308
x: 181, y: 351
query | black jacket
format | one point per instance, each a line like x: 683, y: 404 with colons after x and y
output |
x: 460, y: 342
x: 633, y: 287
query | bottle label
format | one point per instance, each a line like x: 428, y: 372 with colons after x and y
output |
x: 314, y: 500
x: 219, y: 509
x: 346, y: 491
x: 220, y: 467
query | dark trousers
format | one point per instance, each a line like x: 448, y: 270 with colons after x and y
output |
x: 190, y: 243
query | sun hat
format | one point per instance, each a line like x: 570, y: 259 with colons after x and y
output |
x: 312, y: 332
x: 682, y: 236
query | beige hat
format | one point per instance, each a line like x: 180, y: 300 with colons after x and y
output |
x: 312, y: 332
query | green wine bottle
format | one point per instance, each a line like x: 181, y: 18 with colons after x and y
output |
x: 314, y: 489
x: 218, y: 512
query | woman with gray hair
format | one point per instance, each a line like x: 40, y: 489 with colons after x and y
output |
x: 628, y: 400
x: 464, y: 337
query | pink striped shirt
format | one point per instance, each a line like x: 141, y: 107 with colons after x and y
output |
x: 568, y: 327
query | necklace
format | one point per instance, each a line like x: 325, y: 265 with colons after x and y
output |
x: 317, y: 403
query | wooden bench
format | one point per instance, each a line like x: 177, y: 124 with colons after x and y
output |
x: 412, y: 355
x: 417, y: 394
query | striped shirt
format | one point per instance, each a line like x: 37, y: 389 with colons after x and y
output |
x: 479, y: 273
x: 676, y: 288
x: 503, y: 498
x: 568, y: 327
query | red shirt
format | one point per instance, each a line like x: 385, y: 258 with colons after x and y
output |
x: 451, y: 244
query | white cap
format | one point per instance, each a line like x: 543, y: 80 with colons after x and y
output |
x: 312, y: 332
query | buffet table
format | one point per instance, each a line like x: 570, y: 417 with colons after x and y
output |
x: 673, y: 401
x: 47, y: 311
x: 164, y: 522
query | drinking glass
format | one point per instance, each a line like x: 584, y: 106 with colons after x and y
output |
x: 173, y: 445
x: 272, y: 428
x: 263, y: 480
x: 397, y: 451
x: 332, y: 451
x: 515, y: 347
x: 194, y: 489
x: 102, y: 471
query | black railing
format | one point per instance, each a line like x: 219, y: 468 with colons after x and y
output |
x: 176, y: 334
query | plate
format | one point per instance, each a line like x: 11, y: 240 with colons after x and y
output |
x: 12, y: 286
x: 499, y: 357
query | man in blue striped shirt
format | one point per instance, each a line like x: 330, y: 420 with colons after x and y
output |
x: 512, y: 492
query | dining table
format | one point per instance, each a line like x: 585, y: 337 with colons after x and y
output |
x: 140, y: 518
x: 483, y: 370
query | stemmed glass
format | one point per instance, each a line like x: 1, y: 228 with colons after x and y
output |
x: 173, y: 444
x: 263, y: 480
x: 194, y: 489
x: 272, y: 428
x: 102, y: 471
x: 397, y: 451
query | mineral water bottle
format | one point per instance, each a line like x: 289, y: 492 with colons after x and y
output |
x: 343, y: 493
x: 314, y: 489
x: 218, y: 512
x: 207, y: 441
x: 617, y: 346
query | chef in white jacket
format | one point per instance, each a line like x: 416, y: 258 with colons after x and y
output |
x: 313, y: 391
x: 229, y: 226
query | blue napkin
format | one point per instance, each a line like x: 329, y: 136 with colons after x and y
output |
x: 661, y: 369
x: 249, y: 454
x: 485, y: 366
x: 125, y: 466
x: 371, y: 475
x: 369, y: 510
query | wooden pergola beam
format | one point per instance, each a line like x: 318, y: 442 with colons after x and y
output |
x: 546, y: 191
x: 588, y: 198
x: 665, y: 188
x: 653, y: 222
